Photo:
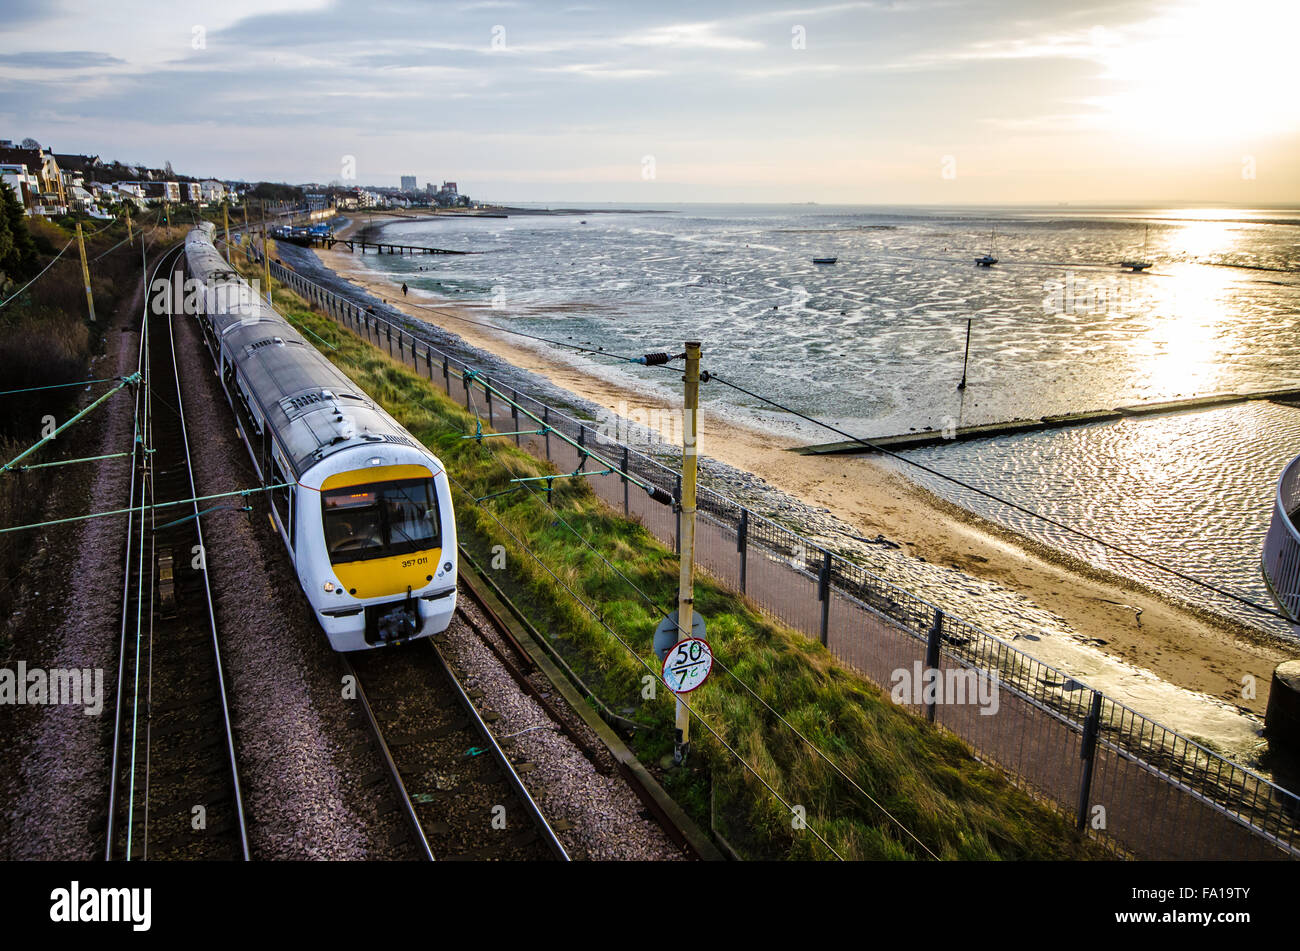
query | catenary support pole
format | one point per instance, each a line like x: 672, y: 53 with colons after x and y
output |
x: 686, y: 578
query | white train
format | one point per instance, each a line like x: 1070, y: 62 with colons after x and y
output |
x: 366, y: 513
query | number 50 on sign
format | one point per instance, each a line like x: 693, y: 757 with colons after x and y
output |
x: 687, y: 665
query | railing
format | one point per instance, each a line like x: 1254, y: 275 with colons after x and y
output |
x: 1282, y: 543
x: 1135, y: 785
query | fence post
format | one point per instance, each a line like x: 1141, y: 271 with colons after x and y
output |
x: 627, y: 506
x: 487, y: 393
x: 428, y: 360
x: 932, y: 644
x: 546, y: 425
x: 514, y: 415
x: 742, y: 545
x: 1088, y: 753
x: 446, y: 374
x: 824, y: 595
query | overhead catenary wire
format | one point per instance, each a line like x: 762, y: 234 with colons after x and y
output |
x: 1023, y: 509
x: 654, y: 359
x: 470, y: 377
x: 56, y: 257
x: 242, y: 493
x: 646, y: 361
x: 736, y: 677
x: 641, y: 660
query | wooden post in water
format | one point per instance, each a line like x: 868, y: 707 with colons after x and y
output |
x: 965, y: 359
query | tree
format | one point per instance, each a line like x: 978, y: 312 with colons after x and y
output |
x: 29, y: 143
x: 17, y: 249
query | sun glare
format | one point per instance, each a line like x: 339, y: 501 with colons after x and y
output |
x: 1209, y: 70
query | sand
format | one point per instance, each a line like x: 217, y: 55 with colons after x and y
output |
x: 1114, y: 624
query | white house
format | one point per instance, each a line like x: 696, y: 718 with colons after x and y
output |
x: 212, y: 190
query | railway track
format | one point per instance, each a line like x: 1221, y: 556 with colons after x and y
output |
x: 461, y: 795
x: 174, y: 790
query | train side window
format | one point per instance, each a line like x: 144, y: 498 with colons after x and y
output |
x: 282, y: 499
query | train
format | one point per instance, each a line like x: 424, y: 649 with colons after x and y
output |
x: 363, y: 509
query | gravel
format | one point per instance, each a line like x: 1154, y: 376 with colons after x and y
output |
x: 607, y: 819
x: 56, y: 795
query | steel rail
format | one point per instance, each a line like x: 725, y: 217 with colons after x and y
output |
x: 136, y: 437
x: 207, y: 590
x: 503, y: 761
x: 390, y: 764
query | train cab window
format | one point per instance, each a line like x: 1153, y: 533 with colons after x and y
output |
x: 382, y: 519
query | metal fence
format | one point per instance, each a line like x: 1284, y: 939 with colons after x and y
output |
x: 1135, y: 785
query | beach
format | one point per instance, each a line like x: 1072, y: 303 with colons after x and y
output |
x: 1173, y: 663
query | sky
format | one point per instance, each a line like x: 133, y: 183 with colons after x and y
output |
x: 896, y: 101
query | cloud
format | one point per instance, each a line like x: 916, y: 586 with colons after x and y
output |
x: 602, y: 71
x: 65, y: 59
x: 689, y: 36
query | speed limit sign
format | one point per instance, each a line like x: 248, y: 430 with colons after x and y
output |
x: 687, y: 665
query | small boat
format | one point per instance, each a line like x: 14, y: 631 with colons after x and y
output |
x: 824, y: 260
x: 988, y: 260
x: 1137, y: 265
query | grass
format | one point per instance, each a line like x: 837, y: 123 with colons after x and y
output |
x: 927, y: 779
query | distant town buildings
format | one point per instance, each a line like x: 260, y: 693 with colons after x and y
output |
x: 55, y: 183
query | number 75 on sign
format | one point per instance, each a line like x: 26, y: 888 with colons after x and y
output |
x: 687, y: 665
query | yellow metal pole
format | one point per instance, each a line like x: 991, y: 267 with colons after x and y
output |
x: 225, y: 217
x: 686, y: 578
x: 85, y: 273
x: 130, y: 236
x: 266, y: 255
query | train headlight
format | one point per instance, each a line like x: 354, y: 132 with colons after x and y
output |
x: 329, y: 587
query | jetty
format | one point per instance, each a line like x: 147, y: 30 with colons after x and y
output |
x: 362, y: 245
x: 938, y: 437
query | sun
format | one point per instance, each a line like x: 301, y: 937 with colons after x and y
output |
x: 1205, y: 71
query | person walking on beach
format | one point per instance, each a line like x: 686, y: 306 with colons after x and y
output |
x: 403, y: 289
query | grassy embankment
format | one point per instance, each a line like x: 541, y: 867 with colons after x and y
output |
x: 928, y: 779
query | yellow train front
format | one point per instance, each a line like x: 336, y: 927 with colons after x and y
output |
x: 362, y: 507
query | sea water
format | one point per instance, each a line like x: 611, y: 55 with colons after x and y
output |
x: 874, y: 345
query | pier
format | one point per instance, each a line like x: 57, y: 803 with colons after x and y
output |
x: 361, y: 244
x: 938, y: 437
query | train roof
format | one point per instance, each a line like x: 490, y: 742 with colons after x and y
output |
x: 314, y: 409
